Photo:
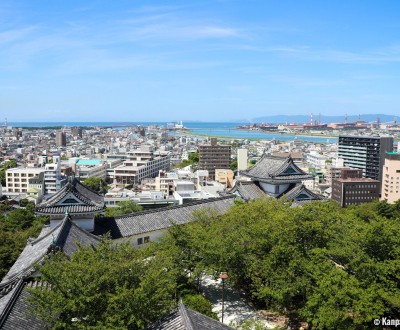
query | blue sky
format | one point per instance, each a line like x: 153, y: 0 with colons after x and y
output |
x: 197, y: 60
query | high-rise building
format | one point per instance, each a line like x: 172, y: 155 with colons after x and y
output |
x: 213, y: 156
x: 76, y: 132
x: 366, y: 153
x: 390, y: 188
x: 242, y: 159
x: 61, y: 139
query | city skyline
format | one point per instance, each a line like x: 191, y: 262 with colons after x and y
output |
x: 216, y: 60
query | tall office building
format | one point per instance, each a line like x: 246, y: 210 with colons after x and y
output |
x: 77, y: 131
x: 213, y: 156
x: 61, y: 139
x: 366, y: 153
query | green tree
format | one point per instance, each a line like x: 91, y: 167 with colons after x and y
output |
x: 96, y: 184
x: 105, y: 287
x: 124, y: 207
x: 7, y: 165
x: 234, y: 164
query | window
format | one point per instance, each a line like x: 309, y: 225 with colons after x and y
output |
x: 146, y: 239
x: 140, y: 241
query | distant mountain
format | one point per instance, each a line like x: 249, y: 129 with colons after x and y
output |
x: 301, y: 119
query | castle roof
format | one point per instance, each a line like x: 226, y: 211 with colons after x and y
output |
x: 276, y: 170
x: 183, y: 318
x: 74, y: 196
x: 159, y: 219
x: 67, y: 236
x: 247, y: 190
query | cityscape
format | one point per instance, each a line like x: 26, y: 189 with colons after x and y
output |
x: 207, y: 165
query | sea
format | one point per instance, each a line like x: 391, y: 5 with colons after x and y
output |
x: 216, y: 129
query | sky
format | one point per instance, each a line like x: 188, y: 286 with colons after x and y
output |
x: 207, y: 60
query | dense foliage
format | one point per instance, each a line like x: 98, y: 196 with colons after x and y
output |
x: 336, y: 268
x: 96, y: 184
x: 110, y: 287
x: 16, y: 226
x: 122, y: 208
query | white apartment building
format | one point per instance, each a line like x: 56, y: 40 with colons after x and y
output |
x: 17, y: 179
x: 142, y: 163
x: 165, y: 182
x: 53, y: 181
x: 315, y: 159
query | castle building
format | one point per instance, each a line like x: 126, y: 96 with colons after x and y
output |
x: 275, y: 177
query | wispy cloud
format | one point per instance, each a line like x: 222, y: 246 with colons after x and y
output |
x: 374, y: 56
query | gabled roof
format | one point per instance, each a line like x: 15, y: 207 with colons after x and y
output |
x: 184, y: 318
x: 65, y: 237
x: 248, y: 190
x: 276, y: 170
x: 159, y: 219
x: 88, y: 200
x: 300, y: 193
x: 15, y: 309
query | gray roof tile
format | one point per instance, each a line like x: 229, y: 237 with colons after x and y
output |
x: 92, y: 202
x: 184, y: 318
x: 248, y: 190
x: 16, y: 314
x: 65, y: 236
x: 272, y: 169
x: 148, y: 221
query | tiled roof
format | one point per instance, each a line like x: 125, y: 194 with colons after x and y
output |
x: 65, y: 236
x: 270, y: 168
x: 16, y: 312
x: 247, y: 190
x: 157, y: 219
x: 294, y: 193
x: 72, y: 209
x: 92, y: 202
x: 184, y: 318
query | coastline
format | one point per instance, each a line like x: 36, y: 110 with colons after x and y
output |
x: 191, y: 133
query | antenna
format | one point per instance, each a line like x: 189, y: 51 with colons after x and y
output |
x: 5, y: 122
x: 311, y: 119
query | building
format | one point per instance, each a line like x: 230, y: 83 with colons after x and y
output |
x: 88, y: 168
x: 142, y: 163
x: 17, y: 179
x: 77, y: 132
x: 366, y: 153
x: 61, y: 139
x: 213, y: 156
x: 275, y: 177
x: 354, y: 191
x: 390, y: 190
x: 164, y: 182
x: 242, y: 159
x: 224, y: 177
x: 76, y: 200
x: 53, y: 181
